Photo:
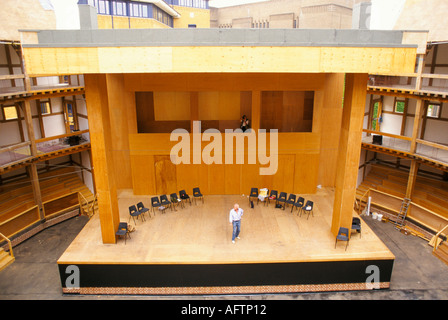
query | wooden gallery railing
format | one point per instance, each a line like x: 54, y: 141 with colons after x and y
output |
x: 429, y: 220
x: 12, y: 225
x: 425, y: 150
x: 3, y: 237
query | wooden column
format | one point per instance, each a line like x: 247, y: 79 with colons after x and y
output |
x: 417, y: 118
x: 413, y: 171
x: 32, y: 169
x: 102, y: 145
x: 414, y: 164
x: 420, y: 66
x: 349, y: 151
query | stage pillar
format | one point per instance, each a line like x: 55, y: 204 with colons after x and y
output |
x: 349, y: 150
x: 96, y: 89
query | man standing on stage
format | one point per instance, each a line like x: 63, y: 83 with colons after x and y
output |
x: 235, y: 219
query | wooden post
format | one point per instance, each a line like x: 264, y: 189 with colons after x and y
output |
x: 349, y: 151
x: 404, y: 117
x: 420, y: 66
x: 102, y: 155
x: 413, y: 171
x: 417, y: 117
x: 32, y: 169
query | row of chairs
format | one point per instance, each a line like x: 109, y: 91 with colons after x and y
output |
x: 283, y: 198
x: 139, y: 210
x: 174, y: 200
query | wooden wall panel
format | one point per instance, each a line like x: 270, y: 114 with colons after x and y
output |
x: 143, y: 176
x: 170, y: 106
x: 165, y: 175
x: 232, y: 178
x: 328, y: 115
x: 224, y: 82
x: 283, y: 180
x: 216, y: 181
x: 219, y: 105
x: 297, y: 172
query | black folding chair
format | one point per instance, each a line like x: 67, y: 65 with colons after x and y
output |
x: 184, y: 196
x: 308, y: 207
x: 291, y: 200
x: 142, y: 209
x: 165, y: 202
x: 175, y: 201
x: 273, y: 195
x: 155, y: 203
x: 123, y: 231
x: 253, y: 194
x: 342, y: 236
x: 282, y: 199
x: 197, y: 194
x: 356, y: 225
x: 133, y: 212
x: 298, y: 204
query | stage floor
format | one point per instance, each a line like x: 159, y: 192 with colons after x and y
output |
x: 201, y: 233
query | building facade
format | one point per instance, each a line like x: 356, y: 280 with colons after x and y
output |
x: 118, y: 14
x: 303, y: 14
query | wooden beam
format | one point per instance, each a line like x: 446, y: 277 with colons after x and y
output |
x: 41, y: 61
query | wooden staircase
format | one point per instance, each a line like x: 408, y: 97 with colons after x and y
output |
x: 5, y: 259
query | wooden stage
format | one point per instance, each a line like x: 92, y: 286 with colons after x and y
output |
x: 189, y: 251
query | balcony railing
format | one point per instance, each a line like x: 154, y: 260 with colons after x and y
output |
x: 436, y: 84
x: 426, y: 150
x: 21, y: 152
x: 19, y: 85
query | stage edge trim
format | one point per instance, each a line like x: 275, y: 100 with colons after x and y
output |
x: 225, y: 290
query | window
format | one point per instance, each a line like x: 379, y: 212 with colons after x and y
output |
x: 134, y: 9
x: 433, y: 110
x: 103, y: 7
x: 191, y: 26
x: 399, y: 106
x: 119, y: 8
x: 9, y: 113
x: 45, y: 107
